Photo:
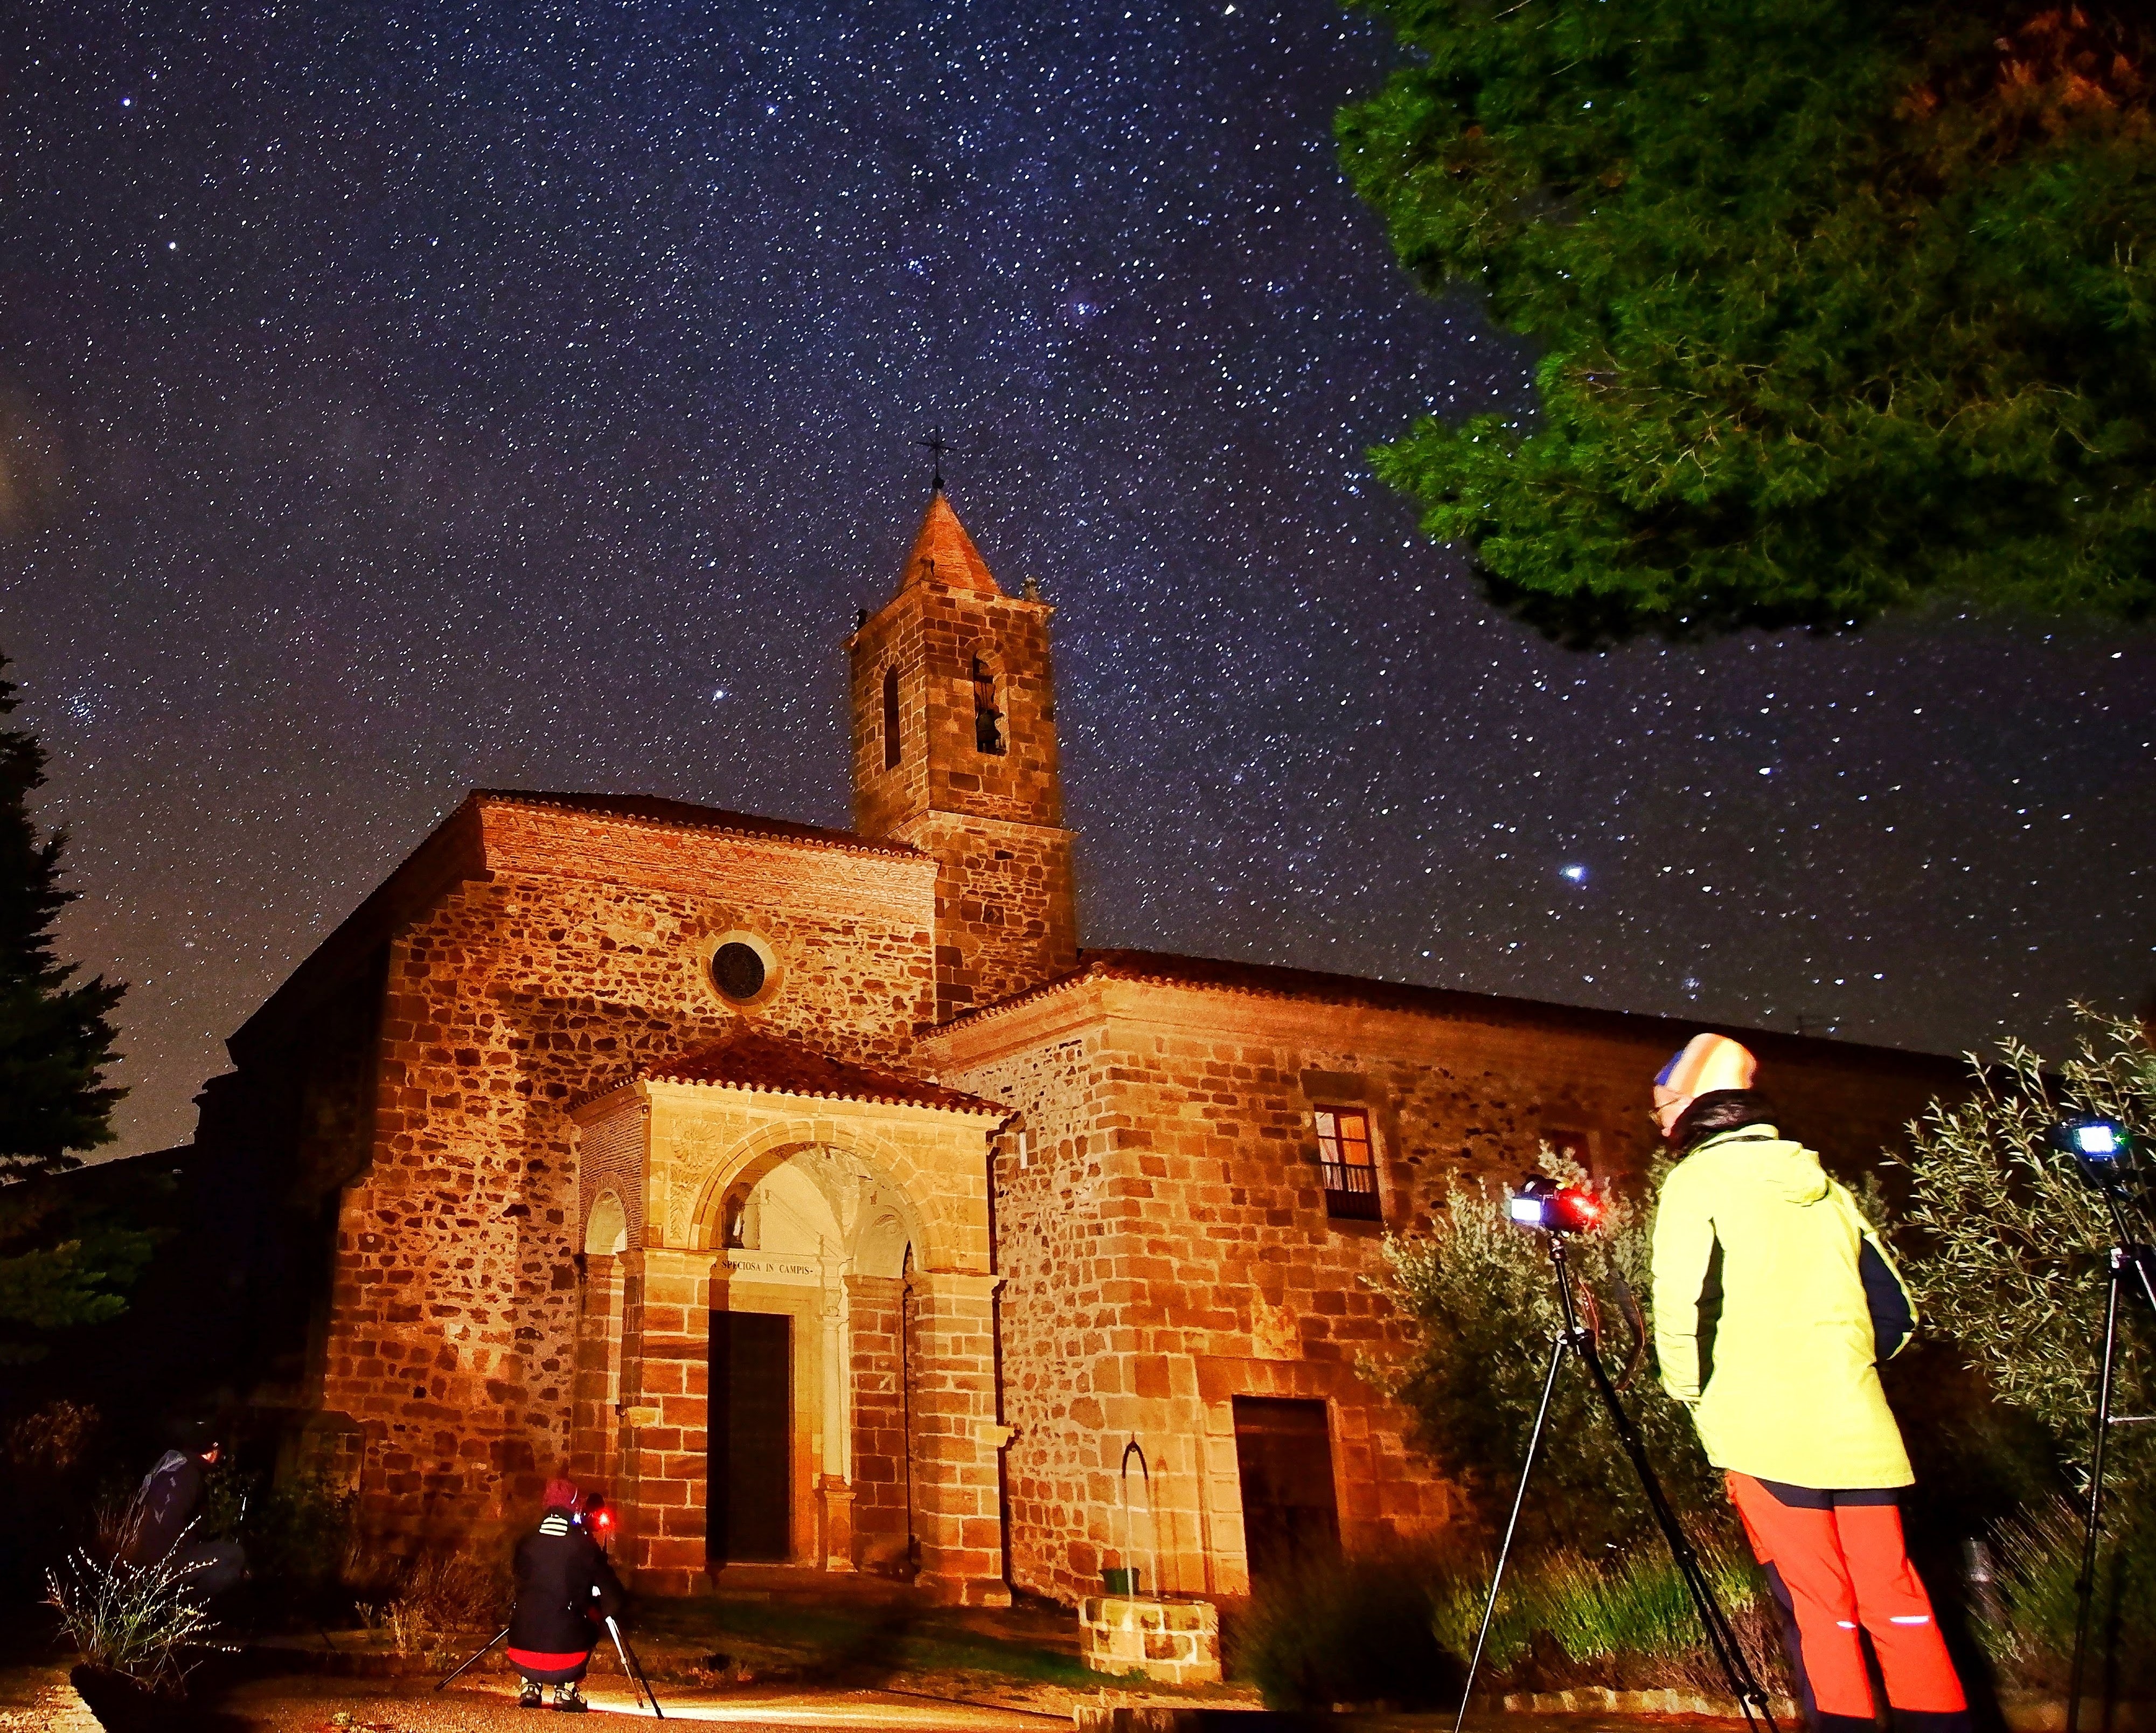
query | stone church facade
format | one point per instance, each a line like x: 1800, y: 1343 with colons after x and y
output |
x: 813, y: 1193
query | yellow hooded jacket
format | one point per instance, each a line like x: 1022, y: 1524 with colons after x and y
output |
x: 1774, y: 1303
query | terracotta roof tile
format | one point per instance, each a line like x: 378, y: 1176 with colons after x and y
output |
x: 657, y: 809
x: 777, y: 1066
x: 944, y: 554
x: 1267, y: 980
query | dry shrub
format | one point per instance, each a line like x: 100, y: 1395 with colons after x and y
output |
x: 53, y: 1442
x: 1628, y: 1623
x: 2029, y: 1633
x: 115, y: 1519
x: 1348, y: 1630
x: 440, y: 1592
x: 141, y: 1622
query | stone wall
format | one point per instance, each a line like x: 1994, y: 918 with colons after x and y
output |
x: 882, y: 1485
x: 579, y: 956
x: 1163, y: 1231
x: 932, y: 635
x: 885, y: 793
x: 595, y: 1408
x: 954, y: 1433
x: 1165, y: 1250
x: 1006, y: 907
x: 665, y: 1384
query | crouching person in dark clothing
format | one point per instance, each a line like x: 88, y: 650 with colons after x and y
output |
x: 165, y: 1510
x: 565, y: 1587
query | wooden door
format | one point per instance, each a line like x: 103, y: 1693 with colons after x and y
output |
x: 1284, y: 1452
x: 749, y: 1500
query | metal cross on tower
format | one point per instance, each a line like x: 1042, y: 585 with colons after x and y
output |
x: 937, y: 445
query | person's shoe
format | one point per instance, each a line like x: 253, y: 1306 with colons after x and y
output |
x: 569, y: 1700
x: 532, y: 1696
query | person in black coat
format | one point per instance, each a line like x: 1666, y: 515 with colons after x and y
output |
x: 165, y: 1511
x: 565, y: 1587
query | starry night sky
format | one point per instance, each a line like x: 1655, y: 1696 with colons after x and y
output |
x: 401, y: 399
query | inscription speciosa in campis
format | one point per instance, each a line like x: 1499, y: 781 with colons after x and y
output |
x: 747, y: 1263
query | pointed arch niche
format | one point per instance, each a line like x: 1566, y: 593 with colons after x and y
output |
x: 796, y: 1335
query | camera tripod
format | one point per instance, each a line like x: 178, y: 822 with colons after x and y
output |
x: 2130, y: 1258
x: 630, y: 1666
x: 1576, y: 1341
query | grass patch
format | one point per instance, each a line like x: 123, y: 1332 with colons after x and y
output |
x: 2030, y: 1638
x: 856, y: 1645
x: 1628, y: 1623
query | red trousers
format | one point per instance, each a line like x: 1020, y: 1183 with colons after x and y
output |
x: 1837, y: 1564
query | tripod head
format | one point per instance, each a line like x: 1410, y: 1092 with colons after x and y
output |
x: 2103, y: 1152
x: 1557, y: 1213
x: 596, y: 1518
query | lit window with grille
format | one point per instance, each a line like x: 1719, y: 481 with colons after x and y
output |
x: 1350, y: 1167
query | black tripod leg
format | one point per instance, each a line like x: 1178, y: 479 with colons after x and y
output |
x: 2093, y: 1523
x: 635, y: 1668
x: 469, y: 1662
x: 1511, y: 1527
x: 628, y: 1672
x: 1721, y: 1634
x: 644, y: 1679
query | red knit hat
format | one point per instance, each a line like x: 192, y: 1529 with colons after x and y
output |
x: 560, y: 1494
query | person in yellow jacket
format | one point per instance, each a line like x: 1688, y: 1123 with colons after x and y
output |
x: 1774, y: 1303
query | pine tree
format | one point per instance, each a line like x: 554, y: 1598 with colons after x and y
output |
x: 62, y: 1259
x: 55, y: 1038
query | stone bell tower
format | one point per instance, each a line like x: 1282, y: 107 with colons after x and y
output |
x: 954, y: 752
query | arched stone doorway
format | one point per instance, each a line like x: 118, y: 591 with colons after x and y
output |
x: 791, y: 1359
x: 809, y: 1460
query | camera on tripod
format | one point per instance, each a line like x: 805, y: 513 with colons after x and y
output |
x: 1542, y: 1203
x: 1561, y: 1213
x: 2102, y: 1153
x: 2101, y: 1150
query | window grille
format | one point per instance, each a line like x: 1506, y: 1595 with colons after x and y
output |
x: 1349, y: 1165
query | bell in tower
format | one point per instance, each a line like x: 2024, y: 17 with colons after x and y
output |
x: 954, y: 752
